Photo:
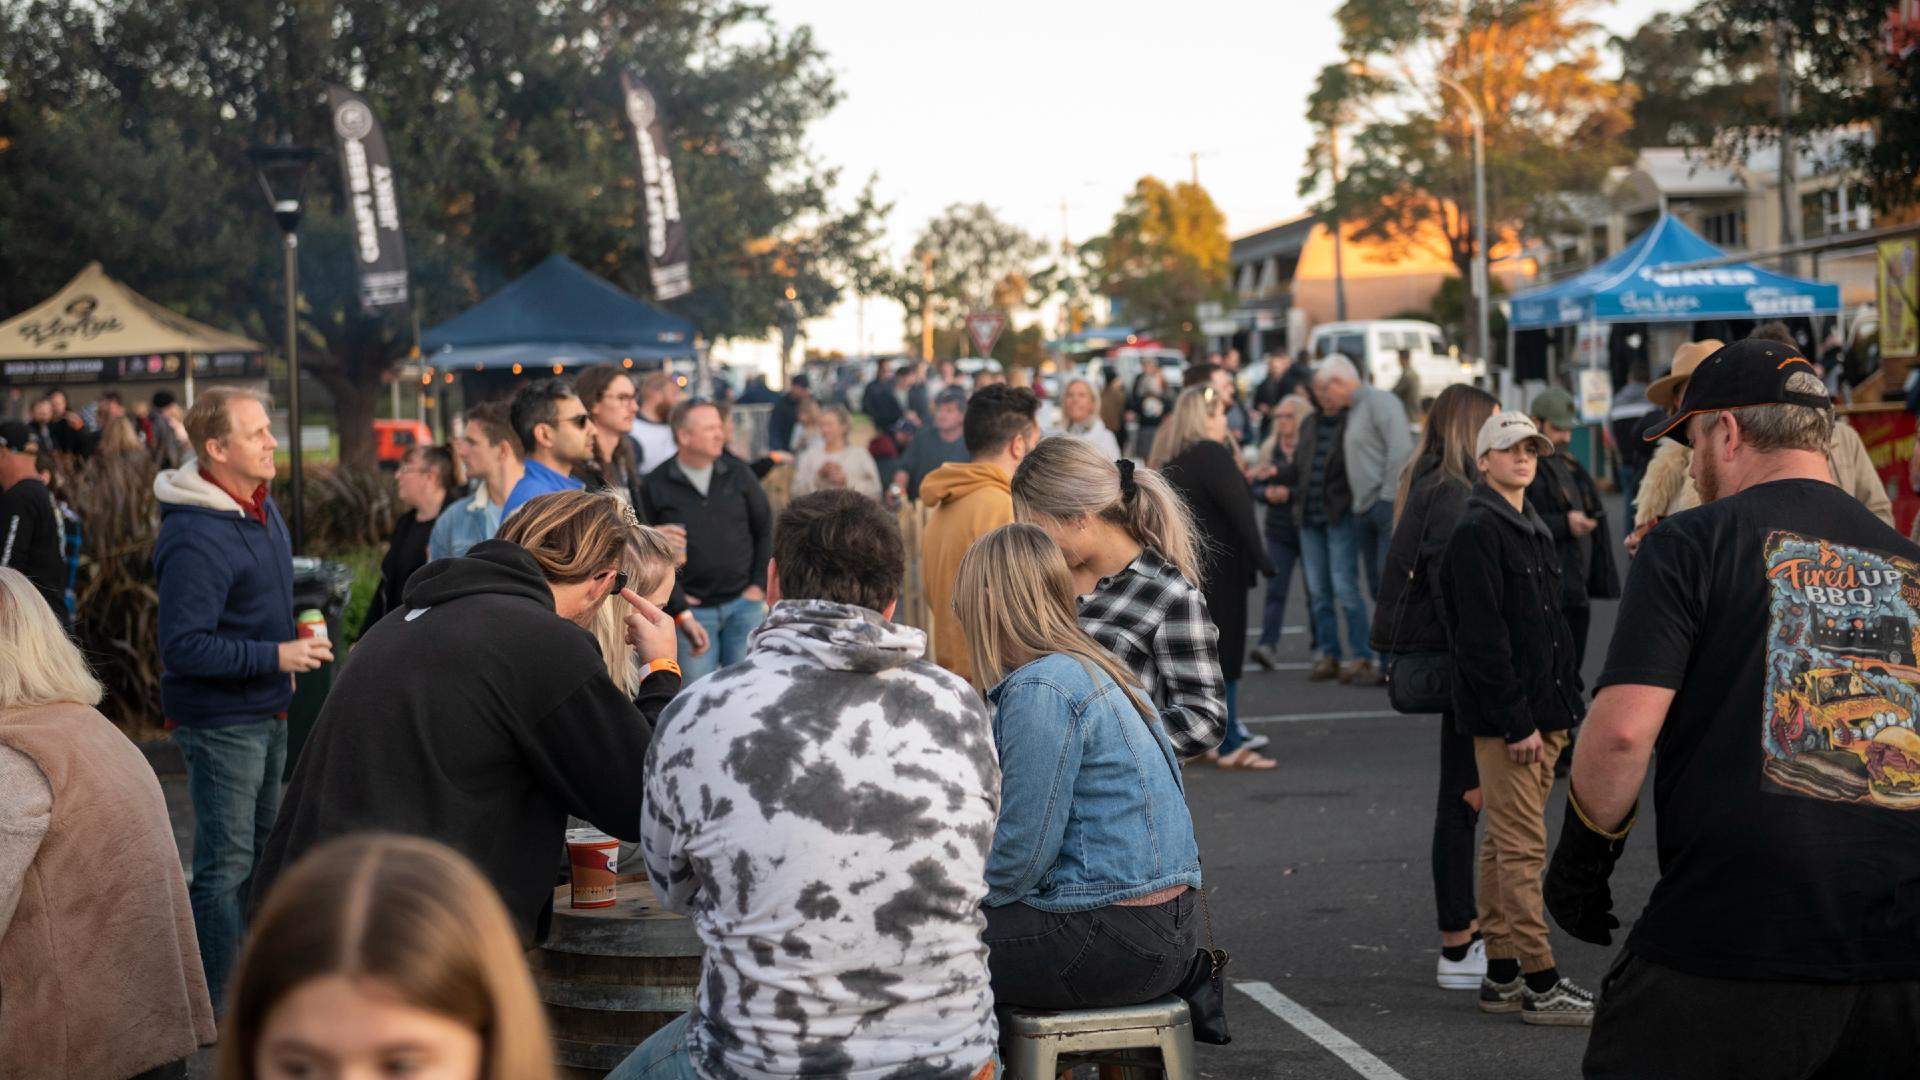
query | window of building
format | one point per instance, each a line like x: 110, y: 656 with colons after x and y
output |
x: 1836, y: 210
x: 1727, y: 228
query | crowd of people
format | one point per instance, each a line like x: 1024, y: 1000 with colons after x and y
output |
x: 878, y: 842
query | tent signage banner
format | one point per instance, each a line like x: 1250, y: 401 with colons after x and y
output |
x: 379, y: 250
x: 660, y: 194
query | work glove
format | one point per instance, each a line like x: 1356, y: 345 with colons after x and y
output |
x: 1576, y: 890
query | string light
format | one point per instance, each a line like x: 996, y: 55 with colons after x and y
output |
x: 556, y: 369
x: 627, y: 363
x: 516, y: 369
x: 449, y: 378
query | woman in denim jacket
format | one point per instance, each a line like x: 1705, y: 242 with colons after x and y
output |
x: 1091, y: 880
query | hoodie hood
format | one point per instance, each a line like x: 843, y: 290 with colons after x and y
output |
x: 840, y: 637
x: 958, y: 479
x: 491, y: 566
x: 185, y: 487
x: 1527, y: 521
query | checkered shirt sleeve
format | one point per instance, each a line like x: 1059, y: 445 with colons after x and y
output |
x: 1157, y: 625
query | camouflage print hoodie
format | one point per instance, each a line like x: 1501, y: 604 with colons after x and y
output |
x: 823, y: 810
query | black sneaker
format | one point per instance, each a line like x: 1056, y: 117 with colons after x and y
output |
x: 1562, y: 1005
x: 1496, y: 997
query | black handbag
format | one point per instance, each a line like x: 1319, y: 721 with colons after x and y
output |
x: 1418, y: 683
x: 1205, y: 987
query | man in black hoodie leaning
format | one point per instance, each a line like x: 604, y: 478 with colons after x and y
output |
x: 480, y: 713
x: 1516, y: 690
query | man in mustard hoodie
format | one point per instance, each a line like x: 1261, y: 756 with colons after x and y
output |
x: 970, y: 499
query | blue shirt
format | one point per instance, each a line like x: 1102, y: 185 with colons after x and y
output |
x: 538, y: 480
x: 1091, y: 806
x: 460, y: 526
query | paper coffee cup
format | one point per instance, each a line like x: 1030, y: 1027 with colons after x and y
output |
x: 594, y: 858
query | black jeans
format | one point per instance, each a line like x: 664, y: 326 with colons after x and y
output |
x: 1454, y: 864
x: 1090, y: 959
x: 1655, y: 1023
x: 1578, y: 619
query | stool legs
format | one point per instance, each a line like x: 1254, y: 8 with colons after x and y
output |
x: 1030, y: 1059
x: 1176, y: 1053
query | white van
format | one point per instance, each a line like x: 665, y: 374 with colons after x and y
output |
x: 1375, y: 346
x: 1126, y: 362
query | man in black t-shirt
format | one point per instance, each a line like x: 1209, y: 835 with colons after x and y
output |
x: 32, y: 536
x: 1767, y: 651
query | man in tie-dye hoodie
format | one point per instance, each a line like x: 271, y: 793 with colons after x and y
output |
x: 822, y: 810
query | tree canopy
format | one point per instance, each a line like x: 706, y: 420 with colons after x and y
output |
x: 979, y: 261
x: 124, y: 126
x: 1165, y: 254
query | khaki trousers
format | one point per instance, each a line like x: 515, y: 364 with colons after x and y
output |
x: 1514, y: 853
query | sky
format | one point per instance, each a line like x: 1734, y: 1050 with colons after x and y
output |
x: 1029, y: 105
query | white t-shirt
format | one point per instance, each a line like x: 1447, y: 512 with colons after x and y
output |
x: 656, y: 443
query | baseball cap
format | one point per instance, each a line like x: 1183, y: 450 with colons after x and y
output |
x: 16, y: 436
x: 952, y: 395
x: 1556, y: 407
x: 1737, y: 376
x: 1507, y: 429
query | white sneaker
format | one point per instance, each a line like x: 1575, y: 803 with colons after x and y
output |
x: 1463, y: 974
x: 1256, y: 742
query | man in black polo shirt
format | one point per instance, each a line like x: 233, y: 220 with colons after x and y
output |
x: 1766, y: 650
x: 32, y: 536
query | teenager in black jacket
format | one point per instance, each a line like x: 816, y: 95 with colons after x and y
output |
x: 1408, y: 619
x: 1516, y: 690
x: 486, y: 715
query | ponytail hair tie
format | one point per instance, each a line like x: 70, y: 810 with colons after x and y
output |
x: 1128, y: 487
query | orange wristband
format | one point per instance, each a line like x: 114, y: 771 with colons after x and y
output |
x: 662, y: 664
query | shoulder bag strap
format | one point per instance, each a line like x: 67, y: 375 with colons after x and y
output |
x: 1413, y: 571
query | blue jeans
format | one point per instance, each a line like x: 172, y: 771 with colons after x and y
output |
x: 662, y: 1057
x: 1237, y: 732
x: 233, y: 780
x: 1332, y: 558
x: 1274, y: 613
x: 728, y: 626
x: 1372, y: 532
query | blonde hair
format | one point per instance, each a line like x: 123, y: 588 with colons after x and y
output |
x: 410, y: 914
x: 1014, y: 597
x: 1063, y: 479
x: 39, y: 664
x: 1188, y: 425
x: 1294, y: 404
x: 211, y: 418
x: 574, y: 535
x: 118, y: 436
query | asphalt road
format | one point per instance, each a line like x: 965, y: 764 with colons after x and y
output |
x: 1321, y: 885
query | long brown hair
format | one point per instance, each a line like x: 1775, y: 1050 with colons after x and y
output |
x: 410, y: 914
x: 1188, y: 425
x: 574, y: 535
x: 1453, y: 423
x: 1014, y: 596
x: 1064, y: 478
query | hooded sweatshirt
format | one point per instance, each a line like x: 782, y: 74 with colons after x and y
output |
x: 823, y: 811
x: 474, y: 715
x: 226, y: 604
x: 969, y: 500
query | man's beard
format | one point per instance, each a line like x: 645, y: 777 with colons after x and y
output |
x: 1709, y: 479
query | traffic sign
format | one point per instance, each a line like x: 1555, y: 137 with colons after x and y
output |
x: 984, y: 328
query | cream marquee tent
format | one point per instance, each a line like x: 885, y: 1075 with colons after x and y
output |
x: 96, y: 330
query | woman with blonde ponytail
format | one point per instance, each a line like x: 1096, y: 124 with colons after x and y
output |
x: 1130, y: 545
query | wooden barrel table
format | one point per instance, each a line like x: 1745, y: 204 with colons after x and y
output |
x: 612, y: 976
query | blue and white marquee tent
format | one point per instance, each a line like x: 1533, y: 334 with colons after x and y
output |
x: 1636, y: 286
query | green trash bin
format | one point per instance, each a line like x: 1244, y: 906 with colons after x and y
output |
x: 317, y: 583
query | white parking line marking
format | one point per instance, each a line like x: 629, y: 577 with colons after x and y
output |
x: 1319, y: 1031
x: 1301, y: 718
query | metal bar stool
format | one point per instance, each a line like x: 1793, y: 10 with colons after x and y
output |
x: 1035, y: 1043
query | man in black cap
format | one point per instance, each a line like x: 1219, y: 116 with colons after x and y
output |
x: 1766, y: 650
x: 32, y: 535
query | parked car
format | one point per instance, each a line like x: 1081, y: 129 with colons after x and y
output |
x: 1375, y: 347
x: 1126, y: 362
x: 393, y: 438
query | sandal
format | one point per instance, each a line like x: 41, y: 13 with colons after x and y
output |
x: 1247, y: 758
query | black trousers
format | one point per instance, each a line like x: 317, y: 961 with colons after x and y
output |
x: 1455, y: 867
x: 1578, y: 619
x: 1090, y: 959
x: 1655, y: 1023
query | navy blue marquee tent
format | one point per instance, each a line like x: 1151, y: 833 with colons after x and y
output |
x: 1636, y: 286
x: 557, y: 313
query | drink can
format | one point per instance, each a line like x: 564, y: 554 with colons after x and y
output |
x: 594, y: 859
x: 311, y: 624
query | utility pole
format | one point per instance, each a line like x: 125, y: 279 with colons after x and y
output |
x: 1789, y: 195
x: 1339, y: 243
x: 926, y: 306
x: 1193, y: 166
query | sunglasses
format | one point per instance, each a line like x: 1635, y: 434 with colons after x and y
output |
x: 581, y: 421
x: 620, y: 579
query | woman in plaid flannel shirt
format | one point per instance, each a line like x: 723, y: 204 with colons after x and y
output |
x: 1130, y: 543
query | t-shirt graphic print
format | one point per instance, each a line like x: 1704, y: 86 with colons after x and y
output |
x: 1842, y: 701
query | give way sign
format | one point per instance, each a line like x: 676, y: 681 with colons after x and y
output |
x: 984, y: 328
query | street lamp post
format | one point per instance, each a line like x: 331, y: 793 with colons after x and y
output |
x: 283, y: 174
x: 1483, y: 280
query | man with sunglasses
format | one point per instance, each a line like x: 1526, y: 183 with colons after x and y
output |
x: 553, y: 426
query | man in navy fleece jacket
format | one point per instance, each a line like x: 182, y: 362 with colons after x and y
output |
x: 227, y: 643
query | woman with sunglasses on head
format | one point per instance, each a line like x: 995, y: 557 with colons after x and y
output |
x: 1129, y: 544
x: 1092, y: 875
x: 482, y: 712
x: 1196, y: 453
x: 426, y: 482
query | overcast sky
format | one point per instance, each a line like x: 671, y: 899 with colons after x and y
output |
x: 1026, y: 104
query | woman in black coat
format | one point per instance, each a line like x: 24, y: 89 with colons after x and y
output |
x: 1407, y: 619
x: 427, y: 483
x: 1194, y: 452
